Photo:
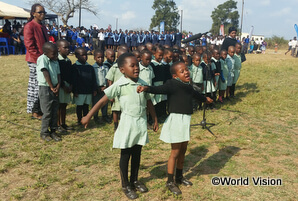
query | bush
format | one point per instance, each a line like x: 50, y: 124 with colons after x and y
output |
x: 282, y: 43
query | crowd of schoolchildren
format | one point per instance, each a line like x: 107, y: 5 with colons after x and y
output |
x: 167, y: 81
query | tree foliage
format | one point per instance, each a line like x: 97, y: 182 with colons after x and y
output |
x: 165, y: 10
x: 225, y: 14
x: 66, y: 8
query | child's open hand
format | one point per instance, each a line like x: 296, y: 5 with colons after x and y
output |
x: 209, y: 100
x: 142, y: 88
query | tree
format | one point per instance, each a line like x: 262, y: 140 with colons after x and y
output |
x: 66, y: 8
x: 165, y: 10
x: 225, y: 15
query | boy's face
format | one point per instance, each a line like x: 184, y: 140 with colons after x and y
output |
x: 168, y: 57
x: 182, y: 72
x: 52, y: 54
x: 237, y: 49
x: 158, y: 55
x: 99, y: 58
x: 231, y: 52
x: 175, y: 56
x: 64, y: 49
x: 196, y: 61
x: 146, y: 59
x: 223, y: 55
x: 82, y: 56
x: 191, y: 51
x: 183, y: 51
x: 111, y: 56
x: 216, y: 54
x: 207, y: 59
x: 138, y: 56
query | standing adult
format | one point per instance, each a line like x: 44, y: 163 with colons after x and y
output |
x: 94, y: 34
x: 35, y: 35
x: 230, y: 40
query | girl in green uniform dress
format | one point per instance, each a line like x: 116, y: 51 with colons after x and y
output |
x: 223, y: 82
x: 176, y: 129
x: 131, y: 134
x: 237, y: 67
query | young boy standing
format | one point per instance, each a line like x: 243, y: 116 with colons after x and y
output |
x: 48, y: 77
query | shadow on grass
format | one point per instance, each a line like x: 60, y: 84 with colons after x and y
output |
x: 214, y: 163
x: 159, y: 170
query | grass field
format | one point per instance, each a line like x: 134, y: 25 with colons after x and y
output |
x: 256, y: 137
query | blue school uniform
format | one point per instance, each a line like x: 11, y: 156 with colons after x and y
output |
x: 110, y: 39
x: 134, y: 40
x: 154, y: 39
x: 168, y: 40
x: 147, y: 39
x: 224, y: 75
x: 132, y: 128
x: 116, y: 39
x: 128, y: 40
x: 161, y: 39
x: 122, y: 38
x: 237, y: 67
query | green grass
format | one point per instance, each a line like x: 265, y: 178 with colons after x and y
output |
x: 256, y: 136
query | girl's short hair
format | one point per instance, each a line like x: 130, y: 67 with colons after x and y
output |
x: 173, y: 67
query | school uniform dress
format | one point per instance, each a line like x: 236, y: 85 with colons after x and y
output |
x: 237, y: 67
x: 100, y: 75
x: 49, y: 102
x: 84, y: 83
x: 176, y: 128
x: 66, y: 78
x: 110, y: 39
x: 168, y: 40
x: 223, y: 81
x: 128, y: 40
x: 215, y: 66
x: 161, y: 39
x: 196, y: 74
x: 134, y: 40
x: 108, y: 64
x: 230, y: 63
x: 132, y: 128
x: 146, y: 74
x: 207, y: 78
x: 114, y: 75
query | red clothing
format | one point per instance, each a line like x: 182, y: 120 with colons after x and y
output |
x: 35, y: 35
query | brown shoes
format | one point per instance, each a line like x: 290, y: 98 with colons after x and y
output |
x: 36, y: 116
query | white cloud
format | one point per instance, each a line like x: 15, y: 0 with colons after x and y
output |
x: 264, y: 2
x: 128, y: 15
x: 283, y: 12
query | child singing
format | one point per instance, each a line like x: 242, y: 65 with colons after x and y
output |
x: 131, y: 134
x: 176, y: 129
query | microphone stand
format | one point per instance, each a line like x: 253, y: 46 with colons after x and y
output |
x: 204, y: 123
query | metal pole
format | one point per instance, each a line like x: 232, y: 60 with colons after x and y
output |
x: 116, y: 23
x: 181, y: 21
x: 80, y: 13
x: 241, y: 20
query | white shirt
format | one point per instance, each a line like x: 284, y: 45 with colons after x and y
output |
x: 101, y: 36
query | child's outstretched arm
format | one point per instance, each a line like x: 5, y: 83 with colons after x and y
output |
x: 102, y: 102
x: 153, y: 114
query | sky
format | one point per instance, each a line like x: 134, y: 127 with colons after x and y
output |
x: 268, y: 17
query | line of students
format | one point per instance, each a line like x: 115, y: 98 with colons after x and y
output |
x: 168, y: 75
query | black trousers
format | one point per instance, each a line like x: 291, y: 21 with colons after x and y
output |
x: 135, y: 154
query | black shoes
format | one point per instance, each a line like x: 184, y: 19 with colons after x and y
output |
x: 173, y: 188
x: 107, y: 119
x: 129, y: 192
x: 65, y: 127
x: 184, y: 181
x: 139, y: 186
x: 55, y: 137
x: 46, y: 138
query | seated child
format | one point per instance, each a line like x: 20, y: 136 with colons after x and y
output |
x: 48, y: 77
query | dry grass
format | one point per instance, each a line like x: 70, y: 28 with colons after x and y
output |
x: 256, y: 136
